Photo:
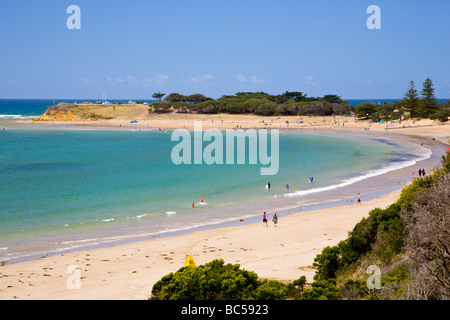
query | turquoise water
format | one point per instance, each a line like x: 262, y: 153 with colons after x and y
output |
x: 63, y: 189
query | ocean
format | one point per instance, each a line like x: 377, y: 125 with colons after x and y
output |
x: 68, y: 189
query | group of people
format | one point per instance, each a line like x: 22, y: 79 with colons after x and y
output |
x: 421, y: 173
x: 274, y: 219
x: 202, y: 201
x: 311, y: 179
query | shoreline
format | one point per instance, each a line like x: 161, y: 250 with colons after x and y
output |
x: 423, y: 128
x: 129, y: 271
x: 170, y: 121
x: 282, y: 203
x: 178, y: 242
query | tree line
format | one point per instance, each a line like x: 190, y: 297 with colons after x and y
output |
x: 413, y: 105
x: 260, y: 103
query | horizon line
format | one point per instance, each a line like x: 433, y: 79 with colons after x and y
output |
x: 139, y: 99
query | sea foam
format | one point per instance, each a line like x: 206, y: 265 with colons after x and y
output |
x: 369, y: 174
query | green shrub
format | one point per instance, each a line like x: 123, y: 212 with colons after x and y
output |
x: 322, y: 290
x: 212, y: 281
x: 271, y: 290
x: 276, y: 113
x: 441, y: 115
x: 266, y: 109
x: 327, y: 263
x: 160, y: 106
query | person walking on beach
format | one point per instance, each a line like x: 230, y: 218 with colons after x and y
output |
x: 359, y: 200
x: 420, y: 172
x: 268, y: 185
x: 275, y: 220
x: 423, y: 172
x: 265, y: 219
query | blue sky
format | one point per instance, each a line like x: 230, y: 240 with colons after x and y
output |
x: 131, y: 49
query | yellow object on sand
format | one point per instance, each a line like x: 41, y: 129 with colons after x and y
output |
x: 189, y: 262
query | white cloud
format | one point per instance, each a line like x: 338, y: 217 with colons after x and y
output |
x: 126, y: 79
x: 160, y: 79
x: 201, y: 78
x: 89, y: 81
x: 121, y: 79
x: 241, y: 78
x: 310, y: 81
x: 255, y: 79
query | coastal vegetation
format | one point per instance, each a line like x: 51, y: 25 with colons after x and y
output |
x: 414, y: 105
x: 219, y: 281
x: 259, y: 103
x: 408, y: 242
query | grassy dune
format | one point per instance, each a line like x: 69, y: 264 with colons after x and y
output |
x: 86, y: 111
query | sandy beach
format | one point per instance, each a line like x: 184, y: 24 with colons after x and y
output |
x: 285, y: 252
x: 137, y: 136
x: 142, y: 120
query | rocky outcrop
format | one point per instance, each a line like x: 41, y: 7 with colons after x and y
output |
x: 56, y: 114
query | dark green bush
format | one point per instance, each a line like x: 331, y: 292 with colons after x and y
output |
x: 322, y: 290
x: 271, y: 290
x: 327, y: 263
x: 212, y: 281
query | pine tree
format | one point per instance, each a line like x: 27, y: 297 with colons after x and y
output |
x: 428, y: 103
x: 411, y: 99
x: 158, y: 95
